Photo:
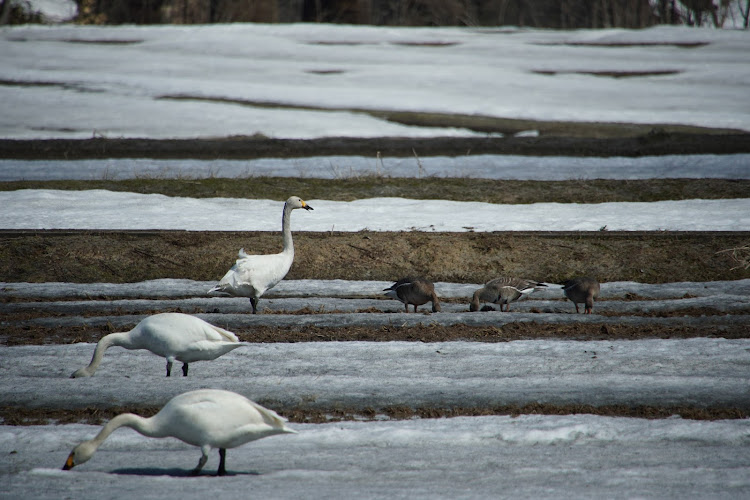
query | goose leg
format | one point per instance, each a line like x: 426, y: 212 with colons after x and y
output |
x: 169, y: 367
x: 406, y: 307
x: 184, y: 369
x: 415, y: 307
x: 202, y: 461
x: 222, y: 462
x: 254, y: 303
x: 577, y: 311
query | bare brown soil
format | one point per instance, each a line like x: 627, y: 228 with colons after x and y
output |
x: 558, y: 139
x: 133, y: 256
x: 36, y: 335
x: 96, y: 415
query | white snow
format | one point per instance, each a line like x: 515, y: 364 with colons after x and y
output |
x: 530, y: 456
x: 100, y: 209
x: 71, y: 84
x: 114, y: 89
x: 509, y: 167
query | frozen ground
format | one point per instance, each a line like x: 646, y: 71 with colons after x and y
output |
x: 72, y: 82
x: 506, y: 167
x: 100, y: 209
x: 528, y: 457
x: 322, y: 80
x: 699, y: 373
x: 340, y: 300
x: 531, y: 456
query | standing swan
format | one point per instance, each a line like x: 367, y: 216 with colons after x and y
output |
x: 582, y: 290
x: 503, y: 291
x: 416, y: 291
x: 207, y: 418
x: 174, y: 336
x: 252, y: 275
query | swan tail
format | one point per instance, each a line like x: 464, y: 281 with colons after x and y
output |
x: 225, y: 333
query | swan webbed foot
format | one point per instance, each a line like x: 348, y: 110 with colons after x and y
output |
x: 184, y: 369
x: 222, y: 462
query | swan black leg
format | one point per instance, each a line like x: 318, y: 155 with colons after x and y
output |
x: 184, y: 369
x: 201, y: 463
x: 254, y: 303
x: 222, y: 462
x: 169, y: 368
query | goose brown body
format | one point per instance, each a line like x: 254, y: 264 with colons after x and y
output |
x: 414, y: 291
x: 582, y: 291
x: 503, y: 291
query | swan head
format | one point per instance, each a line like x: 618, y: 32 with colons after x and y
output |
x: 296, y: 202
x: 80, y: 454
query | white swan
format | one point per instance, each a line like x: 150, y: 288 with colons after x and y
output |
x: 207, y: 418
x: 174, y: 336
x: 252, y: 275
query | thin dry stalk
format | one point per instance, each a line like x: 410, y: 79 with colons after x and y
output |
x: 741, y: 255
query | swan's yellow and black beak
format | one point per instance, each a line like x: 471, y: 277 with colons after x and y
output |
x: 69, y: 464
x: 306, y: 206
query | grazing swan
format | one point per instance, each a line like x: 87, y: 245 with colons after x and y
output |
x: 174, y: 336
x: 503, y: 291
x: 207, y: 418
x: 252, y: 275
x: 582, y: 291
x: 415, y: 291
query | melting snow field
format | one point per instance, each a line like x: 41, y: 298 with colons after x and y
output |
x: 528, y: 457
x: 218, y: 80
x: 99, y: 209
x: 78, y: 82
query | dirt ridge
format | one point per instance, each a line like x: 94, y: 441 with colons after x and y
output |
x: 471, y: 257
x: 654, y: 141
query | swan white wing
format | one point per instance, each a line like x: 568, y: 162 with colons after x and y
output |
x: 206, y: 350
x: 218, y: 418
x: 198, y: 330
x: 169, y: 334
x: 259, y: 272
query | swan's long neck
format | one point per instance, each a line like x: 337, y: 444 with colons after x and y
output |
x: 113, y: 339
x: 286, y: 229
x: 145, y: 426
